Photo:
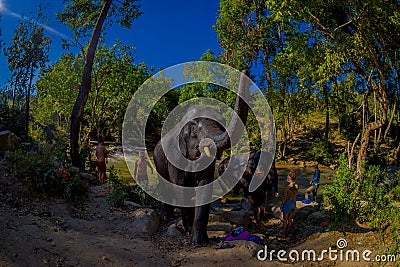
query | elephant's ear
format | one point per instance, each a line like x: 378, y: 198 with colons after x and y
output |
x: 185, y: 133
x: 182, y: 145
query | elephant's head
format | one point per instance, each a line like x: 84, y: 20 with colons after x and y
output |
x: 198, y: 137
x: 203, y: 131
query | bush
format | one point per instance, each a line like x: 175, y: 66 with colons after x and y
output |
x: 321, y: 150
x: 372, y: 199
x: 123, y: 191
x: 43, y: 172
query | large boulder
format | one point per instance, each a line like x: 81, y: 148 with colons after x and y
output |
x: 8, y: 141
x: 240, y: 217
x: 146, y: 222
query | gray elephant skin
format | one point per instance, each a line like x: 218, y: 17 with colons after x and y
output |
x: 271, y: 180
x: 186, y: 138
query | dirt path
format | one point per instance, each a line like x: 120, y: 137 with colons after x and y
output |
x: 59, y: 234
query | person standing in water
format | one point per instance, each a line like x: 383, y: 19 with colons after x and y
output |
x: 314, y: 184
x: 140, y: 172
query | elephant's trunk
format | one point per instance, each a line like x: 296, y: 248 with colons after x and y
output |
x: 224, y: 141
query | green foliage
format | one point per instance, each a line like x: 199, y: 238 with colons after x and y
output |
x: 81, y: 15
x: 321, y: 150
x: 123, y: 191
x: 43, y: 171
x: 117, y: 197
x: 372, y: 199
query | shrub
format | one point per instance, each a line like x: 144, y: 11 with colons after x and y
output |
x: 43, y: 172
x: 372, y: 199
x: 123, y: 191
x: 321, y: 150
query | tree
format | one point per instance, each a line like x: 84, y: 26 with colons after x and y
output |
x: 81, y: 16
x: 27, y: 54
x: 361, y: 34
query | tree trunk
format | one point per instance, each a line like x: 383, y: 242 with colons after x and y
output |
x: 28, y: 99
x: 390, y: 121
x: 78, y: 109
x: 372, y: 126
x: 326, y: 112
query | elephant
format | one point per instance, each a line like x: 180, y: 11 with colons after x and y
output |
x: 271, y: 182
x: 200, y: 134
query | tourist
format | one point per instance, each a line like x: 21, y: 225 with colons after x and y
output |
x: 140, y: 172
x: 101, y: 155
x: 314, y: 184
x: 288, y: 206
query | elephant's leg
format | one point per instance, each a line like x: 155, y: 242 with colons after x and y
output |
x: 179, y: 177
x: 199, y: 231
x: 187, y: 218
x: 169, y: 209
x: 188, y: 212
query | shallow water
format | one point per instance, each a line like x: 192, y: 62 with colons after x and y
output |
x: 304, y: 175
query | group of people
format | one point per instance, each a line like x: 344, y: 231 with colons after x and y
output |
x: 141, y: 164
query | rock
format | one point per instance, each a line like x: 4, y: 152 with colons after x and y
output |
x: 240, y: 217
x: 276, y: 211
x: 246, y: 249
x: 8, y: 141
x: 173, y: 231
x: 176, y: 263
x: 304, y: 210
x: 318, y: 217
x: 146, y: 222
x: 219, y: 226
x: 274, y: 245
x: 131, y: 204
x: 89, y: 177
x: 215, y: 218
x: 216, y: 233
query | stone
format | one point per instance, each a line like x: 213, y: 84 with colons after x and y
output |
x: 146, y: 222
x: 8, y: 141
x: 219, y: 226
x: 131, y: 204
x: 245, y: 248
x: 173, y: 231
x: 277, y: 212
x: 240, y: 217
x: 89, y: 177
x: 318, y: 217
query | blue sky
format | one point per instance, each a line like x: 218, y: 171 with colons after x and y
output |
x: 168, y: 32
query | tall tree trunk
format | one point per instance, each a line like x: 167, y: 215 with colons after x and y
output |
x: 77, y: 111
x: 28, y: 99
x: 390, y: 121
x: 268, y: 74
x: 372, y: 126
x: 326, y: 112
